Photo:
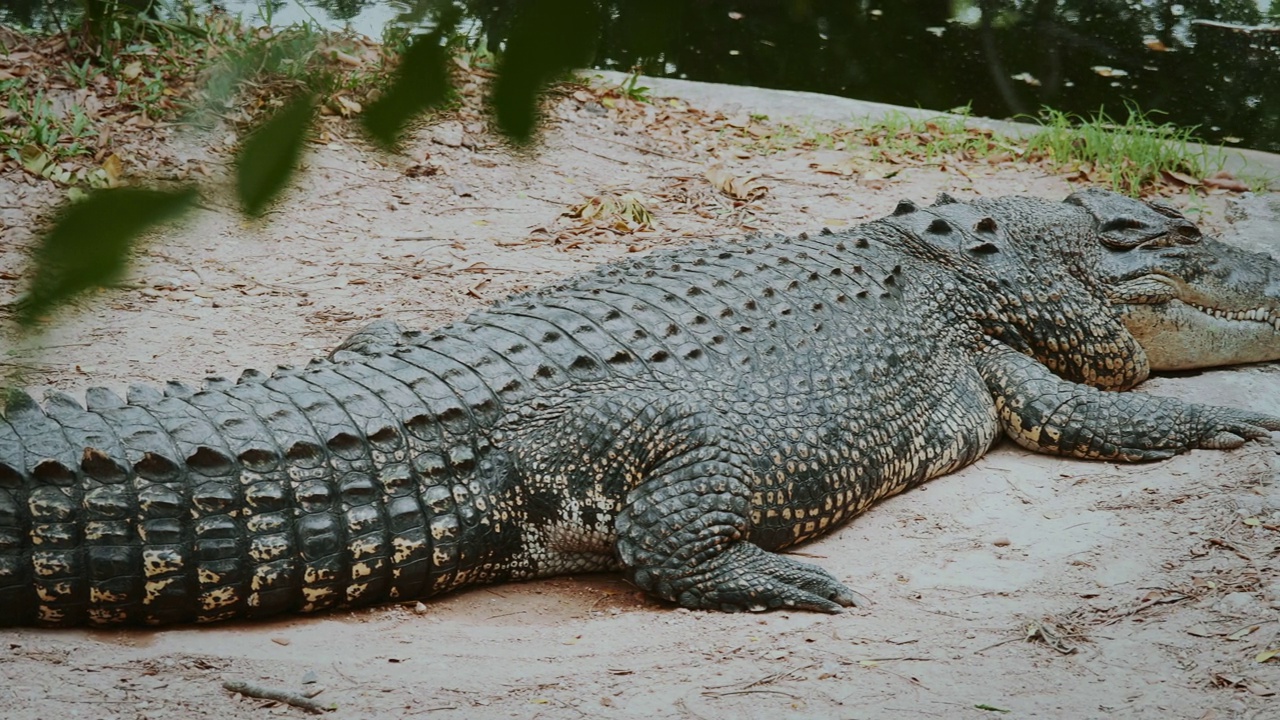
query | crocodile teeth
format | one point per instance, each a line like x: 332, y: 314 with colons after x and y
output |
x: 1255, y: 314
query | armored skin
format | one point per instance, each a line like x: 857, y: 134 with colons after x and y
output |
x: 680, y: 417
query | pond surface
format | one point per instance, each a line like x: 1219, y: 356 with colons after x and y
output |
x: 1214, y: 64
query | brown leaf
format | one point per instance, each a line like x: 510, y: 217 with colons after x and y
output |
x: 1226, y: 183
x: 845, y: 167
x: 738, y: 188
x: 1179, y: 177
x: 622, y: 213
x: 113, y: 168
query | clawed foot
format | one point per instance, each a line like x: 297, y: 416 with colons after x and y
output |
x: 1225, y: 428
x: 1202, y: 426
x: 746, y: 578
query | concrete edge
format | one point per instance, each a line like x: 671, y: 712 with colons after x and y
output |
x: 798, y: 105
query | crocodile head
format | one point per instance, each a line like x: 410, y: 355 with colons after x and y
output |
x: 1189, y: 300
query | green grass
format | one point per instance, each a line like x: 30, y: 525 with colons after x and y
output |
x: 1129, y: 155
x: 922, y: 139
x: 43, y: 135
x: 930, y: 138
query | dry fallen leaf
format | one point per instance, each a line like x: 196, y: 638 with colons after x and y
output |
x: 1225, y: 181
x: 1242, y: 632
x: 1249, y: 684
x: 845, y: 166
x: 1051, y: 635
x: 1179, y: 177
x: 624, y: 213
x: 33, y: 159
x: 113, y: 168
x: 736, y: 187
x: 346, y: 106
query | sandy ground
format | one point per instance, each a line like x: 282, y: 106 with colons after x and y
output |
x: 1147, y: 591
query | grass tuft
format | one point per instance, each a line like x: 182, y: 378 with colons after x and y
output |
x: 1129, y: 155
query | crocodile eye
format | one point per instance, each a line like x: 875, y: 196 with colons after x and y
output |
x: 1127, y: 232
x: 1123, y: 223
x: 1188, y: 234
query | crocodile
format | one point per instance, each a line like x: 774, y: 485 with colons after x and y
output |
x: 681, y: 418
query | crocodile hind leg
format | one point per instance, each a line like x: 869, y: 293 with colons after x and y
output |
x: 681, y: 531
x: 376, y: 338
x: 1045, y: 413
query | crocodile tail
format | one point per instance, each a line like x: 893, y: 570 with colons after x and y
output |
x: 341, y: 484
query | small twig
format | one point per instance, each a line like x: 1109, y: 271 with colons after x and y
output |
x: 599, y: 155
x: 682, y: 705
x: 548, y: 200
x: 914, y: 658
x: 182, y: 263
x: 462, y: 208
x: 780, y: 675
x: 996, y: 645
x: 57, y: 17
x: 345, y: 676
x: 517, y: 612
x: 287, y: 697
x: 641, y: 149
x: 751, y: 692
x: 1224, y: 544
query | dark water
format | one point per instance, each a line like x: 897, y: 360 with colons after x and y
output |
x: 1001, y: 57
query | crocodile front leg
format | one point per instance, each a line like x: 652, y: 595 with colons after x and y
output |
x: 1045, y: 413
x: 682, y: 533
x: 674, y: 485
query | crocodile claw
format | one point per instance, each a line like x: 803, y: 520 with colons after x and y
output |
x: 1225, y: 428
x: 754, y: 580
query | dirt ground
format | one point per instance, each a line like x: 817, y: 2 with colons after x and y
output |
x: 1022, y: 586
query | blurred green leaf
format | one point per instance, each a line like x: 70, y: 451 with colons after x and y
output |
x: 268, y: 157
x: 548, y: 38
x: 89, y: 246
x: 421, y: 82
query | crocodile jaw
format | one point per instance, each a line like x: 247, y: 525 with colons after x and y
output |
x: 1221, y: 309
x: 1180, y: 335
